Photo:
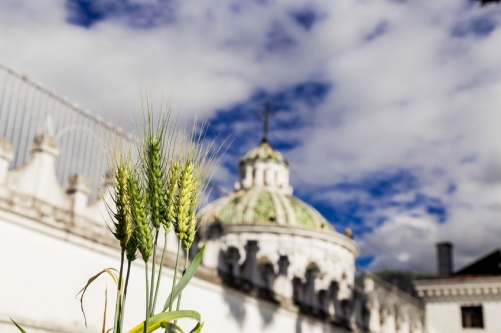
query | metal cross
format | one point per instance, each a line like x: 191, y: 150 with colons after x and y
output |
x: 267, y: 111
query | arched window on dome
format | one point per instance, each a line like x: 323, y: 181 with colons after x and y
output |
x: 312, y: 269
x: 241, y: 170
x: 267, y: 270
x: 297, y: 290
x: 231, y: 259
x: 304, y: 293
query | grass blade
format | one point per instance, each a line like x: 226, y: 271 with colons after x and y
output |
x: 190, y: 272
x: 171, y: 328
x: 197, y: 328
x: 18, y: 327
x: 84, y: 289
x: 105, y: 306
x: 163, y: 318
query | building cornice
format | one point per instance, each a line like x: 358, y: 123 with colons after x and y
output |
x: 467, y: 289
x: 332, y: 237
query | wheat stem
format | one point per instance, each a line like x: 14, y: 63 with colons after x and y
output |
x: 152, y: 283
x: 125, y: 295
x: 184, y: 270
x: 147, y: 300
x: 159, y: 274
x: 175, y: 274
x: 118, y: 300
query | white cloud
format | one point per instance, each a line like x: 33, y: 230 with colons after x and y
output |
x: 402, y: 242
x: 412, y: 98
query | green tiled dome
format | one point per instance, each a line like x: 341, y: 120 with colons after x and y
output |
x: 259, y: 206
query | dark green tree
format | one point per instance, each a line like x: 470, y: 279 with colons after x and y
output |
x: 487, y: 2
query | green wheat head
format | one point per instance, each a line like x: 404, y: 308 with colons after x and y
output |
x: 122, y: 216
x: 155, y: 177
x: 170, y: 196
x: 142, y: 237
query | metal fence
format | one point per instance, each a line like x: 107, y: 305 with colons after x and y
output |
x: 26, y: 107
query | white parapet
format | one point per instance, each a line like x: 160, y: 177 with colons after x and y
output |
x: 78, y: 190
x: 37, y: 177
x: 5, y: 159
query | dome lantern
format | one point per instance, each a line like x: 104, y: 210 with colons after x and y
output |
x: 264, y: 167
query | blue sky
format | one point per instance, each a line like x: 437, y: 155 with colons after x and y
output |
x: 388, y: 111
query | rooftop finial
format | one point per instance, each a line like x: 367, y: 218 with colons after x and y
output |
x: 48, y: 127
x: 267, y: 111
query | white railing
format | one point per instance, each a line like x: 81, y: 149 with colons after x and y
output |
x: 26, y: 106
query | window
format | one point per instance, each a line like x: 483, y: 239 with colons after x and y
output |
x: 472, y: 317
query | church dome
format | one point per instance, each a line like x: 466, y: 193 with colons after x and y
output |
x: 262, y: 206
x: 263, y: 196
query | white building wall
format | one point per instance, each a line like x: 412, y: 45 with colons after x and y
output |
x: 446, y: 318
x: 443, y: 318
x: 445, y: 297
x: 492, y: 316
x: 43, y: 270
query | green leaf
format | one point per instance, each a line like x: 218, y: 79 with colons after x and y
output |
x: 190, y: 272
x: 18, y: 327
x: 163, y: 318
x: 171, y: 328
x: 197, y: 328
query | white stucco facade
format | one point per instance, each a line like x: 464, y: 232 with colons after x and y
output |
x: 445, y: 298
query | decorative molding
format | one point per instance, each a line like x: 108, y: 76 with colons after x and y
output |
x: 467, y: 289
x: 332, y: 237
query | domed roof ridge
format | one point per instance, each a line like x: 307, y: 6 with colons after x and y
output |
x: 264, y: 207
